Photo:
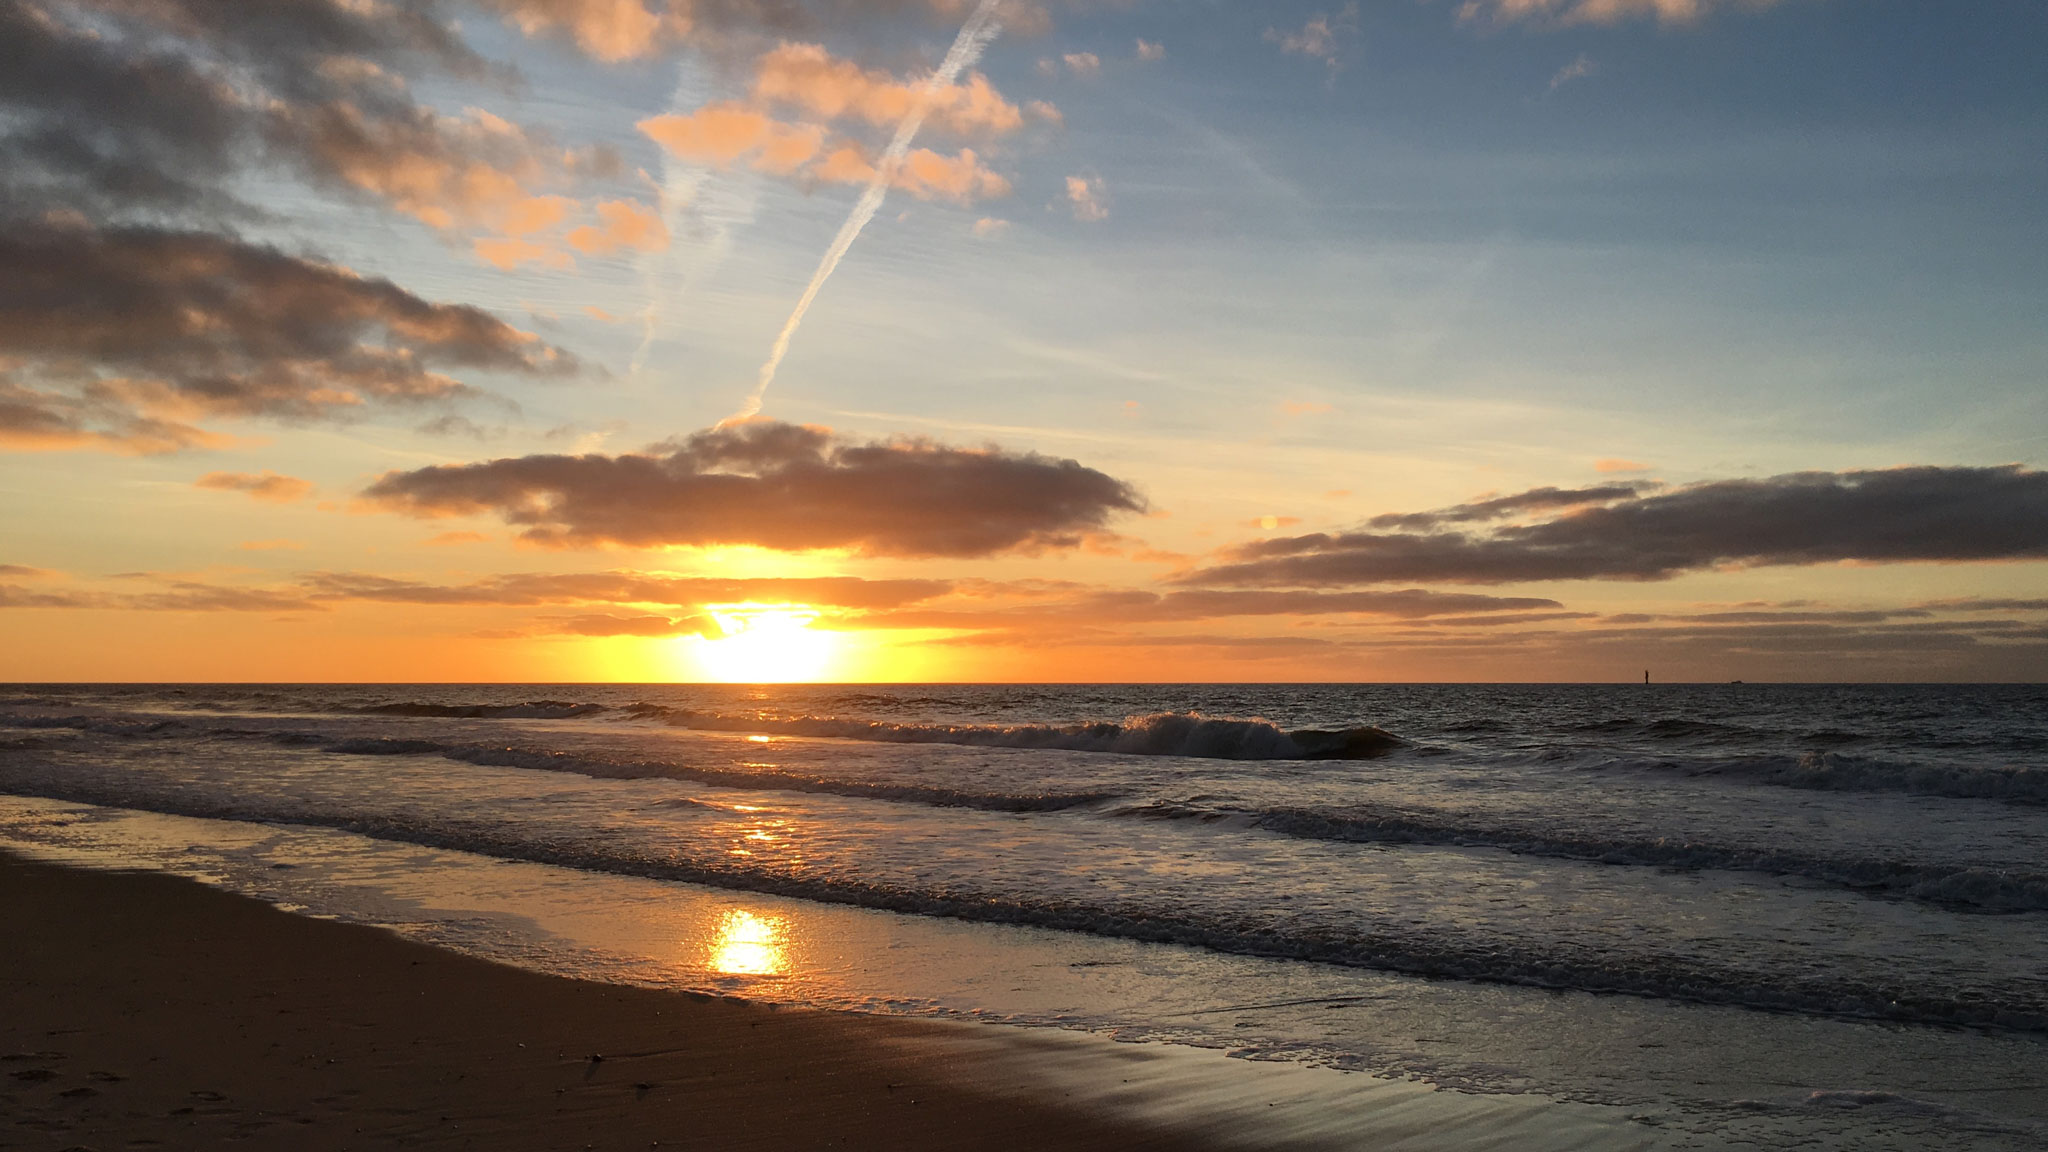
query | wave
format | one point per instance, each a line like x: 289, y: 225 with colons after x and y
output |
x: 1814, y: 771
x: 1161, y: 734
x: 531, y: 710
x: 1962, y: 886
x: 1390, y: 946
x: 764, y: 779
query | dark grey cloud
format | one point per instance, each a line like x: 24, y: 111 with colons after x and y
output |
x: 1113, y: 608
x: 778, y: 486
x: 1978, y: 604
x: 1895, y: 515
x: 121, y: 106
x: 1501, y: 507
x: 124, y: 338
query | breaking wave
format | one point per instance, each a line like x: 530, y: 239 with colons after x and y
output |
x: 1160, y: 734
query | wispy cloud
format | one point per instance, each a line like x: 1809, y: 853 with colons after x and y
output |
x: 266, y: 485
x: 1085, y: 197
x: 1597, y: 11
x: 1324, y: 37
x: 1578, y: 69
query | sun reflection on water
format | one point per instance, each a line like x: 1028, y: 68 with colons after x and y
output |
x: 749, y: 945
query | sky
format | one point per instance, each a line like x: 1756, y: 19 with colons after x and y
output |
x: 1126, y: 340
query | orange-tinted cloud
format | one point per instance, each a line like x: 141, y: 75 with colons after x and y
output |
x: 446, y: 171
x: 621, y: 224
x: 625, y: 588
x: 1613, y: 464
x: 723, y: 133
x: 267, y: 486
x: 821, y: 89
x: 813, y: 81
x: 1085, y: 197
x: 778, y: 486
x: 610, y: 30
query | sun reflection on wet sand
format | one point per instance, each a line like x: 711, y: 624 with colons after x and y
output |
x: 749, y: 945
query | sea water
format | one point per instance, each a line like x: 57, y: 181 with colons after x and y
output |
x: 1756, y: 915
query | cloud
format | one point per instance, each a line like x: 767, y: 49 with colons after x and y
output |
x: 1638, y: 532
x: 1578, y: 69
x: 622, y: 224
x: 1615, y: 465
x: 1084, y: 194
x: 1082, y: 63
x: 626, y: 588
x: 1149, y: 51
x: 1596, y: 11
x: 778, y: 486
x: 119, y: 339
x: 112, y: 105
x: 159, y: 112
x: 989, y: 226
x: 652, y: 627
x: 1501, y: 507
x: 609, y: 30
x: 1305, y: 408
x: 117, y: 107
x: 822, y: 91
x: 1324, y: 37
x: 809, y: 79
x: 268, y: 486
x: 15, y: 596
x: 724, y: 132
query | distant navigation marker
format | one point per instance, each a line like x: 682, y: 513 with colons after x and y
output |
x: 1646, y: 675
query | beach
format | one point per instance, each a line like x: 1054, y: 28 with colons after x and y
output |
x: 151, y: 1011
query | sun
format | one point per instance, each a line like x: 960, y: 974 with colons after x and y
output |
x: 764, y: 644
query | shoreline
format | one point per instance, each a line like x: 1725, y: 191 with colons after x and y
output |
x: 140, y: 1009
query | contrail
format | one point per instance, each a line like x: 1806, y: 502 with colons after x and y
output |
x: 981, y: 27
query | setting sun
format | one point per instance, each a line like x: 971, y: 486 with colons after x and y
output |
x: 764, y: 644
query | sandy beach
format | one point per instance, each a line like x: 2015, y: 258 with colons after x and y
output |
x: 148, y: 1011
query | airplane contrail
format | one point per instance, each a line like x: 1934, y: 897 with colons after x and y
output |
x: 981, y: 27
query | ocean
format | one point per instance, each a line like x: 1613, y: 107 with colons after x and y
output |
x: 1738, y: 915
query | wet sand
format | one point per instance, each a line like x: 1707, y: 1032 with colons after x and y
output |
x: 146, y: 1011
